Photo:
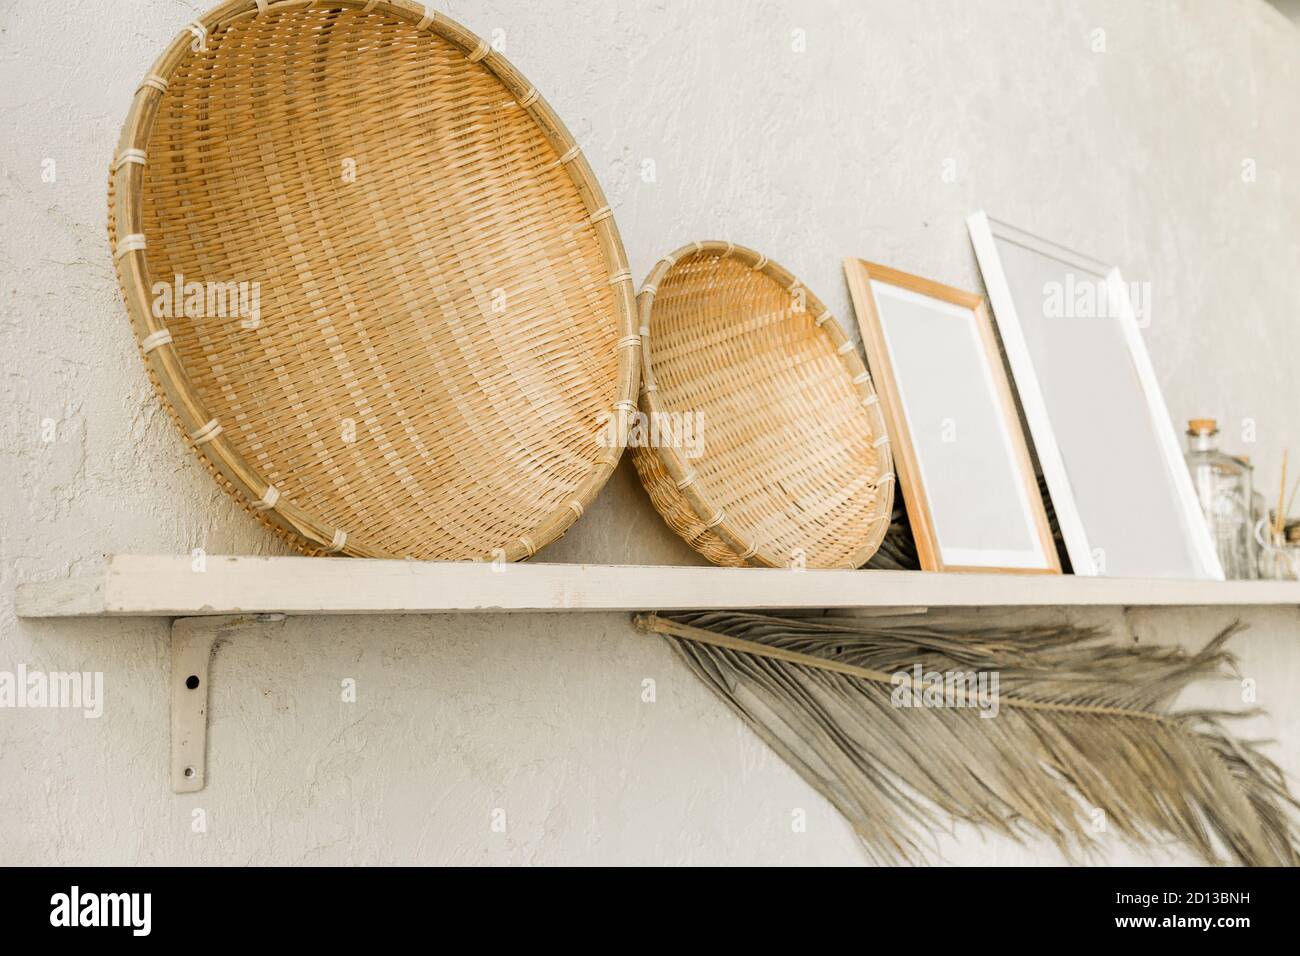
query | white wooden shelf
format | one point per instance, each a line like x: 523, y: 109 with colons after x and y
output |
x: 171, y: 586
x: 220, y: 597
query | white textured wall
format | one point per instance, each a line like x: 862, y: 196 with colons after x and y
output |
x: 1134, y: 154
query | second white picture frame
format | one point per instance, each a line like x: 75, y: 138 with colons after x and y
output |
x: 1111, y: 459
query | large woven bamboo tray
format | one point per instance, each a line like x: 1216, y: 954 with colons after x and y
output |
x: 445, y: 320
x: 794, y: 469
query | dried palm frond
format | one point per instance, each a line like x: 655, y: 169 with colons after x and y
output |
x: 1078, y: 726
x: 897, y: 552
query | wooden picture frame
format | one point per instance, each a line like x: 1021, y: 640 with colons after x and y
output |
x: 974, y: 506
x: 1111, y: 459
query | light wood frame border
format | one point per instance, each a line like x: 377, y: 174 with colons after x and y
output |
x: 860, y: 273
x: 983, y: 231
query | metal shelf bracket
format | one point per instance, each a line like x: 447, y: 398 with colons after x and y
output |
x: 193, y: 640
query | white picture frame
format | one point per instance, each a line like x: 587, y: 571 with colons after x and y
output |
x: 1119, y: 484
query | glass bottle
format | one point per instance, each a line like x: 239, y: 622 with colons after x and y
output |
x: 1258, y: 512
x: 1223, y: 487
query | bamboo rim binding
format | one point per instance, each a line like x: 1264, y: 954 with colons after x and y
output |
x: 805, y: 477
x: 490, y: 371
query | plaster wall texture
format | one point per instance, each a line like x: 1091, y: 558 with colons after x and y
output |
x: 1162, y: 136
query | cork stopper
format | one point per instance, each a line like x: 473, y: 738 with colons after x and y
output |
x: 1202, y: 426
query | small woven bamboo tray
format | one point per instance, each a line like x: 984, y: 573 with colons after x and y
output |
x: 794, y: 468
x: 445, y: 322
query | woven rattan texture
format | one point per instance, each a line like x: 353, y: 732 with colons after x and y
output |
x: 443, y: 324
x: 795, y: 468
